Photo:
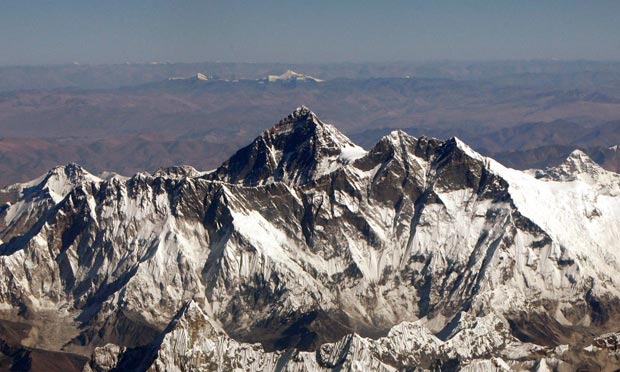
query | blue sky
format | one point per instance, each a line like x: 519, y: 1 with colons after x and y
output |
x: 113, y: 31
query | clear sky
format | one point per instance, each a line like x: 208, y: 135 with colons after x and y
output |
x: 115, y: 31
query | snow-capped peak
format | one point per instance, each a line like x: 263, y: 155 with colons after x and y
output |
x: 578, y: 162
x: 466, y: 149
x: 56, y: 183
x: 61, y: 180
x: 180, y: 171
x: 395, y: 135
x: 290, y: 75
x: 199, y: 76
x: 579, y: 166
x: 298, y: 149
x: 300, y: 115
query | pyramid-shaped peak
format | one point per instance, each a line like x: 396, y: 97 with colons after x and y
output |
x: 577, y: 165
x: 466, y: 149
x: 304, y: 124
x: 71, y: 173
x: 578, y: 154
x: 298, y: 149
x: 303, y: 109
x: 397, y: 134
x: 391, y: 143
x: 71, y: 169
x: 56, y: 183
x: 299, y: 115
x: 579, y: 162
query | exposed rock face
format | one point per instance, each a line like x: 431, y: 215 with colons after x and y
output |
x: 304, y: 240
x: 299, y: 149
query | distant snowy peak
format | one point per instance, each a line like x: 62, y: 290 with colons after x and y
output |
x: 56, y: 183
x: 299, y: 149
x: 290, y: 75
x: 180, y: 171
x: 579, y: 166
x: 577, y: 163
x: 199, y: 76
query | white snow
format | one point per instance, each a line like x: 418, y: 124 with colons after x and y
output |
x: 351, y: 153
x: 576, y: 215
x: 292, y: 75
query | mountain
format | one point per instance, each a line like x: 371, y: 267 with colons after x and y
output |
x: 579, y: 166
x: 128, y: 124
x: 305, y: 252
x: 199, y: 76
x: 537, y: 73
x: 607, y: 157
x: 290, y: 75
x: 299, y: 149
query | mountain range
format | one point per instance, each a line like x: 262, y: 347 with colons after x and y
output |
x: 305, y: 252
x: 528, y: 116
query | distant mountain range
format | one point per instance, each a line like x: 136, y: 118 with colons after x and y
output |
x: 135, y: 117
x: 305, y: 252
x: 542, y: 73
x: 290, y: 75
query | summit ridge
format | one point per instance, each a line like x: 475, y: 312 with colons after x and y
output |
x: 299, y: 149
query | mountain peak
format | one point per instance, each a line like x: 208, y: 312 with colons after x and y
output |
x: 290, y: 75
x: 201, y: 76
x: 56, y: 183
x: 72, y: 172
x: 577, y: 163
x: 179, y: 171
x: 300, y: 115
x: 299, y: 149
x: 578, y: 156
x: 465, y: 148
x: 579, y: 166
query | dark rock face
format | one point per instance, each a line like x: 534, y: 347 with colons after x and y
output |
x: 292, y: 151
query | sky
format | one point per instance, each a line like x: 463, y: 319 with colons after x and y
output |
x: 39, y: 32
